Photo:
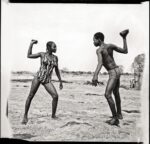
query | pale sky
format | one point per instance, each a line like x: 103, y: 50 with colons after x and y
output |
x: 71, y: 27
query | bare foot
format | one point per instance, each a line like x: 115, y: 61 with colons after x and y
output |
x: 119, y: 116
x: 54, y: 117
x: 25, y: 120
x: 124, y: 33
x: 113, y: 121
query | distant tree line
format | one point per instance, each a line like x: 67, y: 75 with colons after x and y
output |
x: 76, y: 72
x: 65, y: 72
x: 22, y: 72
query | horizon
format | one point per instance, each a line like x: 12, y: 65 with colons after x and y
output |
x: 64, y: 71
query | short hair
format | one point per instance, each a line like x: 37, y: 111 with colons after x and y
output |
x: 99, y: 35
x: 49, y: 44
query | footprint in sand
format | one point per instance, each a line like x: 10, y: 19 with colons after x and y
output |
x: 126, y: 123
x: 70, y: 123
x: 132, y: 111
x: 80, y: 102
x: 39, y: 122
x: 93, y: 94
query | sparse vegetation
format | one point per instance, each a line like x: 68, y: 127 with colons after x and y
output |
x: 138, y: 68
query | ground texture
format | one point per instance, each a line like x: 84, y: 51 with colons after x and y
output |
x: 82, y: 111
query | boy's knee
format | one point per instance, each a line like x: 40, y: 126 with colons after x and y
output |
x: 55, y: 96
x: 31, y: 95
x: 107, y: 96
x: 116, y: 92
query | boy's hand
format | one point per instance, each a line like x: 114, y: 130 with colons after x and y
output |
x: 34, y: 41
x: 124, y: 33
x: 95, y: 81
x: 61, y: 86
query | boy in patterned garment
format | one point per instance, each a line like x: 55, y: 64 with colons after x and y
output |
x: 48, y: 62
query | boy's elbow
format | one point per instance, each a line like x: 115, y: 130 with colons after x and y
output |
x: 125, y: 52
x: 56, y: 70
x: 28, y: 56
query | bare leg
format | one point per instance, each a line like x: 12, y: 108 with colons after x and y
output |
x: 52, y: 91
x: 118, y: 99
x: 33, y: 90
x: 108, y: 94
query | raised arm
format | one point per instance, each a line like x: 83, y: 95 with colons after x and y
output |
x: 58, y: 74
x: 125, y: 47
x: 29, y: 54
x: 98, y: 68
x: 123, y: 50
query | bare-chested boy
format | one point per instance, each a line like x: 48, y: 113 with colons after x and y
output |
x: 106, y: 59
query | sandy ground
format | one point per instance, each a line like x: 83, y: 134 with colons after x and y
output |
x: 82, y: 112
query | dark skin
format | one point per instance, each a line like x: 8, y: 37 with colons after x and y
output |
x: 36, y: 83
x: 106, y: 59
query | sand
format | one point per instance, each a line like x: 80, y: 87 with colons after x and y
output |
x: 82, y: 111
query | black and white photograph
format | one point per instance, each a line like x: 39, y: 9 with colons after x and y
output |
x: 75, y: 72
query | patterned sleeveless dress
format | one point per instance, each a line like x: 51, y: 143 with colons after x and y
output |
x: 46, y: 69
